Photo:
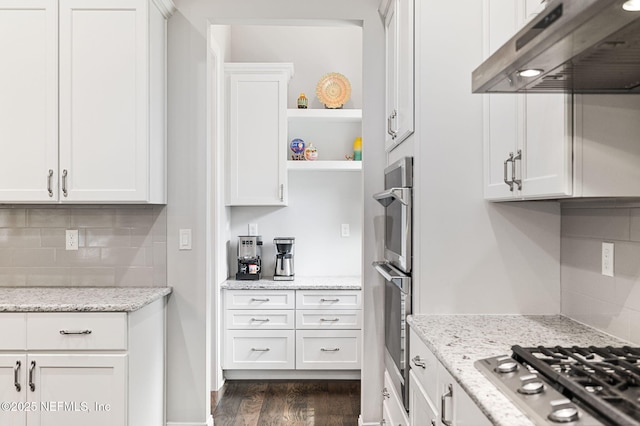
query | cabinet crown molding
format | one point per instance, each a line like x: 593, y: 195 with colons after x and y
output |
x: 260, y: 67
x: 166, y: 7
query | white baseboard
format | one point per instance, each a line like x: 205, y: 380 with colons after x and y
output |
x: 292, y: 374
x: 208, y: 423
x: 361, y: 423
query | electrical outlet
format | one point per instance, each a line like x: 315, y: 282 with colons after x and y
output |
x: 344, y: 230
x: 71, y: 239
x: 607, y: 259
x: 253, y: 229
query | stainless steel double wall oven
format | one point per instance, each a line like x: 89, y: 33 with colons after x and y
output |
x: 397, y: 199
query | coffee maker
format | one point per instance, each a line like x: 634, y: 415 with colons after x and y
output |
x: 284, y: 258
x: 249, y: 262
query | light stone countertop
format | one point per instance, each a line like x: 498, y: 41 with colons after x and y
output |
x: 299, y: 283
x: 459, y: 340
x: 78, y: 299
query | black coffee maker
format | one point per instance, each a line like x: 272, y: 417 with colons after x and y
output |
x: 249, y: 261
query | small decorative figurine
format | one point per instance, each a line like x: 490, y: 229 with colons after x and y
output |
x: 303, y: 102
x: 311, y: 153
x: 297, y: 146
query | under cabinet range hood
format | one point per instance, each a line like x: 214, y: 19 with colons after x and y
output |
x: 573, y: 46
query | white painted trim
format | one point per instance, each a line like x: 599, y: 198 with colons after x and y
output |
x: 361, y: 423
x: 166, y: 7
x: 209, y: 422
x: 292, y: 374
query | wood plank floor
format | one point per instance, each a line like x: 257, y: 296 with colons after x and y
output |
x: 287, y: 403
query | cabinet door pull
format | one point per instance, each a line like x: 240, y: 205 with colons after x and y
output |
x: 281, y: 192
x: 255, y: 299
x: 508, y: 182
x: 49, y: 186
x: 513, y: 169
x: 443, y: 406
x: 16, y: 376
x: 32, y: 384
x: 64, y: 183
x: 329, y: 300
x: 419, y: 362
x: 260, y: 319
x: 385, y: 393
x: 260, y: 349
x: 390, y: 119
x: 329, y: 319
x: 70, y: 332
x: 330, y: 350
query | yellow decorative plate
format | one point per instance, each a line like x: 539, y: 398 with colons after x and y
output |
x: 333, y: 90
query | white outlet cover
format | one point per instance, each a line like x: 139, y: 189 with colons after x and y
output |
x: 607, y: 259
x: 71, y: 239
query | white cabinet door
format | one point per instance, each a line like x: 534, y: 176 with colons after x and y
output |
x: 103, y: 100
x: 256, y: 135
x: 399, y: 54
x: 456, y: 405
x: 421, y: 409
x: 13, y: 389
x: 501, y: 130
x: 28, y: 100
x: 78, y: 390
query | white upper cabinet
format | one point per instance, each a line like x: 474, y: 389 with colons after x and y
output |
x: 94, y: 131
x: 256, y: 133
x: 527, y: 138
x: 399, y: 58
x: 28, y: 99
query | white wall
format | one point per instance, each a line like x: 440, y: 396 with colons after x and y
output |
x: 188, y: 330
x: 313, y: 50
x: 472, y: 256
x: 319, y: 202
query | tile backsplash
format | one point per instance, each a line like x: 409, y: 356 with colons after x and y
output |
x: 611, y: 304
x: 123, y: 246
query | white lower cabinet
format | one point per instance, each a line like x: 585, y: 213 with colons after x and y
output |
x: 292, y: 330
x: 393, y: 412
x: 434, y: 393
x: 77, y: 369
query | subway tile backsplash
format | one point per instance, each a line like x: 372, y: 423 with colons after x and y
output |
x: 122, y: 246
x: 611, y: 304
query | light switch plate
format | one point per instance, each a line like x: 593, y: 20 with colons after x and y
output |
x: 607, y: 259
x: 185, y: 239
x: 344, y: 230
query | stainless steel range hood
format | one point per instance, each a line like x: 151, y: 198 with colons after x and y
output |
x: 580, y: 46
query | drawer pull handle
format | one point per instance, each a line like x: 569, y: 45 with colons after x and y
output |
x: 329, y: 300
x: 254, y: 299
x: 261, y: 319
x: 419, y: 362
x: 385, y: 394
x: 260, y: 349
x: 330, y: 350
x: 70, y: 332
x: 330, y: 320
x: 32, y: 384
x: 16, y: 375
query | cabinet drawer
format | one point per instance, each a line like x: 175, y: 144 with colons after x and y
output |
x: 328, y: 299
x: 259, y: 320
x: 259, y: 299
x: 77, y: 331
x: 14, y: 331
x: 328, y: 350
x: 392, y: 404
x: 328, y: 319
x: 424, y: 365
x: 256, y: 350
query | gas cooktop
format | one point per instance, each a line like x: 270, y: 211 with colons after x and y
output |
x: 570, y: 385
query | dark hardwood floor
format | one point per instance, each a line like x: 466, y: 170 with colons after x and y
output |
x: 287, y: 403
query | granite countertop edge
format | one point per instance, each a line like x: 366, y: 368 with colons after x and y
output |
x: 79, y: 299
x: 458, y: 341
x: 298, y: 283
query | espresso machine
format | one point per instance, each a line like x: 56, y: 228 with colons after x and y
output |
x: 284, y: 258
x: 249, y: 262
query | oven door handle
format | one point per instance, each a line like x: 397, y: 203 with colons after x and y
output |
x: 395, y: 277
x: 403, y: 195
